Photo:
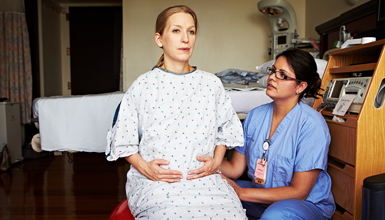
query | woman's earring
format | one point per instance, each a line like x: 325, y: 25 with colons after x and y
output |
x: 297, y: 93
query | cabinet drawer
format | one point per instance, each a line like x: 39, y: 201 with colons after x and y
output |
x: 342, y: 185
x: 343, y: 142
x: 342, y: 216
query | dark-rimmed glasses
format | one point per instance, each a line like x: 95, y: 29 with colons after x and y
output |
x: 280, y: 74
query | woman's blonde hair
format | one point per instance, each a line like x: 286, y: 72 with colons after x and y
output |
x: 163, y: 17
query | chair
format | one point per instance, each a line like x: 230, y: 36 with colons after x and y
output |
x: 121, y: 212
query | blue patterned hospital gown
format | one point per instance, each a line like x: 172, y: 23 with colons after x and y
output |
x: 177, y: 117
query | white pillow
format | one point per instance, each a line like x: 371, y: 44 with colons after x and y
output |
x: 321, y: 66
x: 263, y: 68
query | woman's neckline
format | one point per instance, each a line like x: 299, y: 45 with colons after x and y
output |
x: 185, y: 73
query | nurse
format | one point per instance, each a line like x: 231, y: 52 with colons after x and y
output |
x: 286, y: 147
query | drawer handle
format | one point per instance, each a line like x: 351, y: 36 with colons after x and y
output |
x: 343, y: 168
x: 340, y: 209
x: 341, y: 213
x: 336, y: 163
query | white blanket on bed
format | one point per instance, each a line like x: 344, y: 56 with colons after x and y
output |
x: 80, y: 123
x: 245, y: 101
x: 77, y: 123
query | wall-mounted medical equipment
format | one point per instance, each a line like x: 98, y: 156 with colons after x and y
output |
x: 283, y: 23
x: 337, y: 88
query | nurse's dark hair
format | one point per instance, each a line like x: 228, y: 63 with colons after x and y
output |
x: 163, y: 17
x: 305, y: 69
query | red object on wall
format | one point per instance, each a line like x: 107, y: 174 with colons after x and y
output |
x: 121, y: 212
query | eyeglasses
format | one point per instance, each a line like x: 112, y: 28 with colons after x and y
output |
x: 280, y: 74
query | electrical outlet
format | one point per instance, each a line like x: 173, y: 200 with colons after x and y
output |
x: 13, y: 117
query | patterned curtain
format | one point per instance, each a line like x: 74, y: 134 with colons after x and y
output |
x: 121, y: 66
x: 15, y: 62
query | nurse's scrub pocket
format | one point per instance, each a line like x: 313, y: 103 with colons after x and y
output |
x: 283, y: 170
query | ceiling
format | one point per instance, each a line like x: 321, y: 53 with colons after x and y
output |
x: 88, y: 1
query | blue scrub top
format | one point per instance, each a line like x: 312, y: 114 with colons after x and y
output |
x: 300, y: 143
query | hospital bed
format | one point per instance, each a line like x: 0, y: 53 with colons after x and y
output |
x: 80, y: 123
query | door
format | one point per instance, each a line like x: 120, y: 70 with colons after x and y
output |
x: 95, y: 42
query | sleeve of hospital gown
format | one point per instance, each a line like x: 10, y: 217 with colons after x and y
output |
x: 242, y: 148
x: 123, y: 137
x: 230, y: 132
x: 313, y: 147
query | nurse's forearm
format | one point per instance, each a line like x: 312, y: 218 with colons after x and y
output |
x: 301, y: 185
x: 229, y: 171
x: 269, y: 195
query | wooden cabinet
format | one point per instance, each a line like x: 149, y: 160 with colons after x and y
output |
x: 357, y: 148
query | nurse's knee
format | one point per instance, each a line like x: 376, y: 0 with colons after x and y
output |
x: 285, y: 209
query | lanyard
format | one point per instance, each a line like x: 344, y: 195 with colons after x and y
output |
x: 265, y: 146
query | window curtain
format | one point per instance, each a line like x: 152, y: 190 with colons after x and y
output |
x: 15, y: 58
x: 121, y: 66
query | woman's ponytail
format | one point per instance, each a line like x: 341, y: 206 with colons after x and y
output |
x: 160, y: 61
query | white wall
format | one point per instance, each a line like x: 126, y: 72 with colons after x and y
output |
x: 50, y: 59
x: 65, y: 59
x: 319, y: 12
x: 232, y: 34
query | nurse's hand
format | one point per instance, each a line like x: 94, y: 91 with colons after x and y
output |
x: 232, y: 183
x: 210, y: 167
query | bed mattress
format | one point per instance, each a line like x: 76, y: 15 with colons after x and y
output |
x: 80, y: 123
x: 76, y: 123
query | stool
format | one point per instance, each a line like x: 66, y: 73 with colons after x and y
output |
x: 121, y: 212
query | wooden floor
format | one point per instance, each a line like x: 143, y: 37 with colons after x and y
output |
x: 51, y: 188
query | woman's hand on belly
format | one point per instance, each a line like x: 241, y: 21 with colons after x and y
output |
x: 154, y: 172
x: 211, y: 164
x: 152, y: 169
x: 207, y: 169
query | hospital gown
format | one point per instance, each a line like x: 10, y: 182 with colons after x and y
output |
x: 177, y: 117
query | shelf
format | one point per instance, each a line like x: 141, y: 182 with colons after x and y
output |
x: 350, y: 119
x: 346, y: 116
x: 356, y: 143
x: 353, y: 68
x: 362, y: 50
x: 350, y: 122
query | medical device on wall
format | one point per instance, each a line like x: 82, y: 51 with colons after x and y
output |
x: 337, y: 88
x: 283, y: 23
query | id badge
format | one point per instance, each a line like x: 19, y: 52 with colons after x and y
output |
x: 260, y: 171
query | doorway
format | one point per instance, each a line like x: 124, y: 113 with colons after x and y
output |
x: 95, y: 42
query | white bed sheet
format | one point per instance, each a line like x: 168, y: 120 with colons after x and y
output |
x: 76, y: 123
x: 80, y: 123
x: 245, y: 101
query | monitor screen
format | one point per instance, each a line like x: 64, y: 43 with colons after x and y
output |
x: 337, y: 89
x: 282, y: 39
x: 381, y: 13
